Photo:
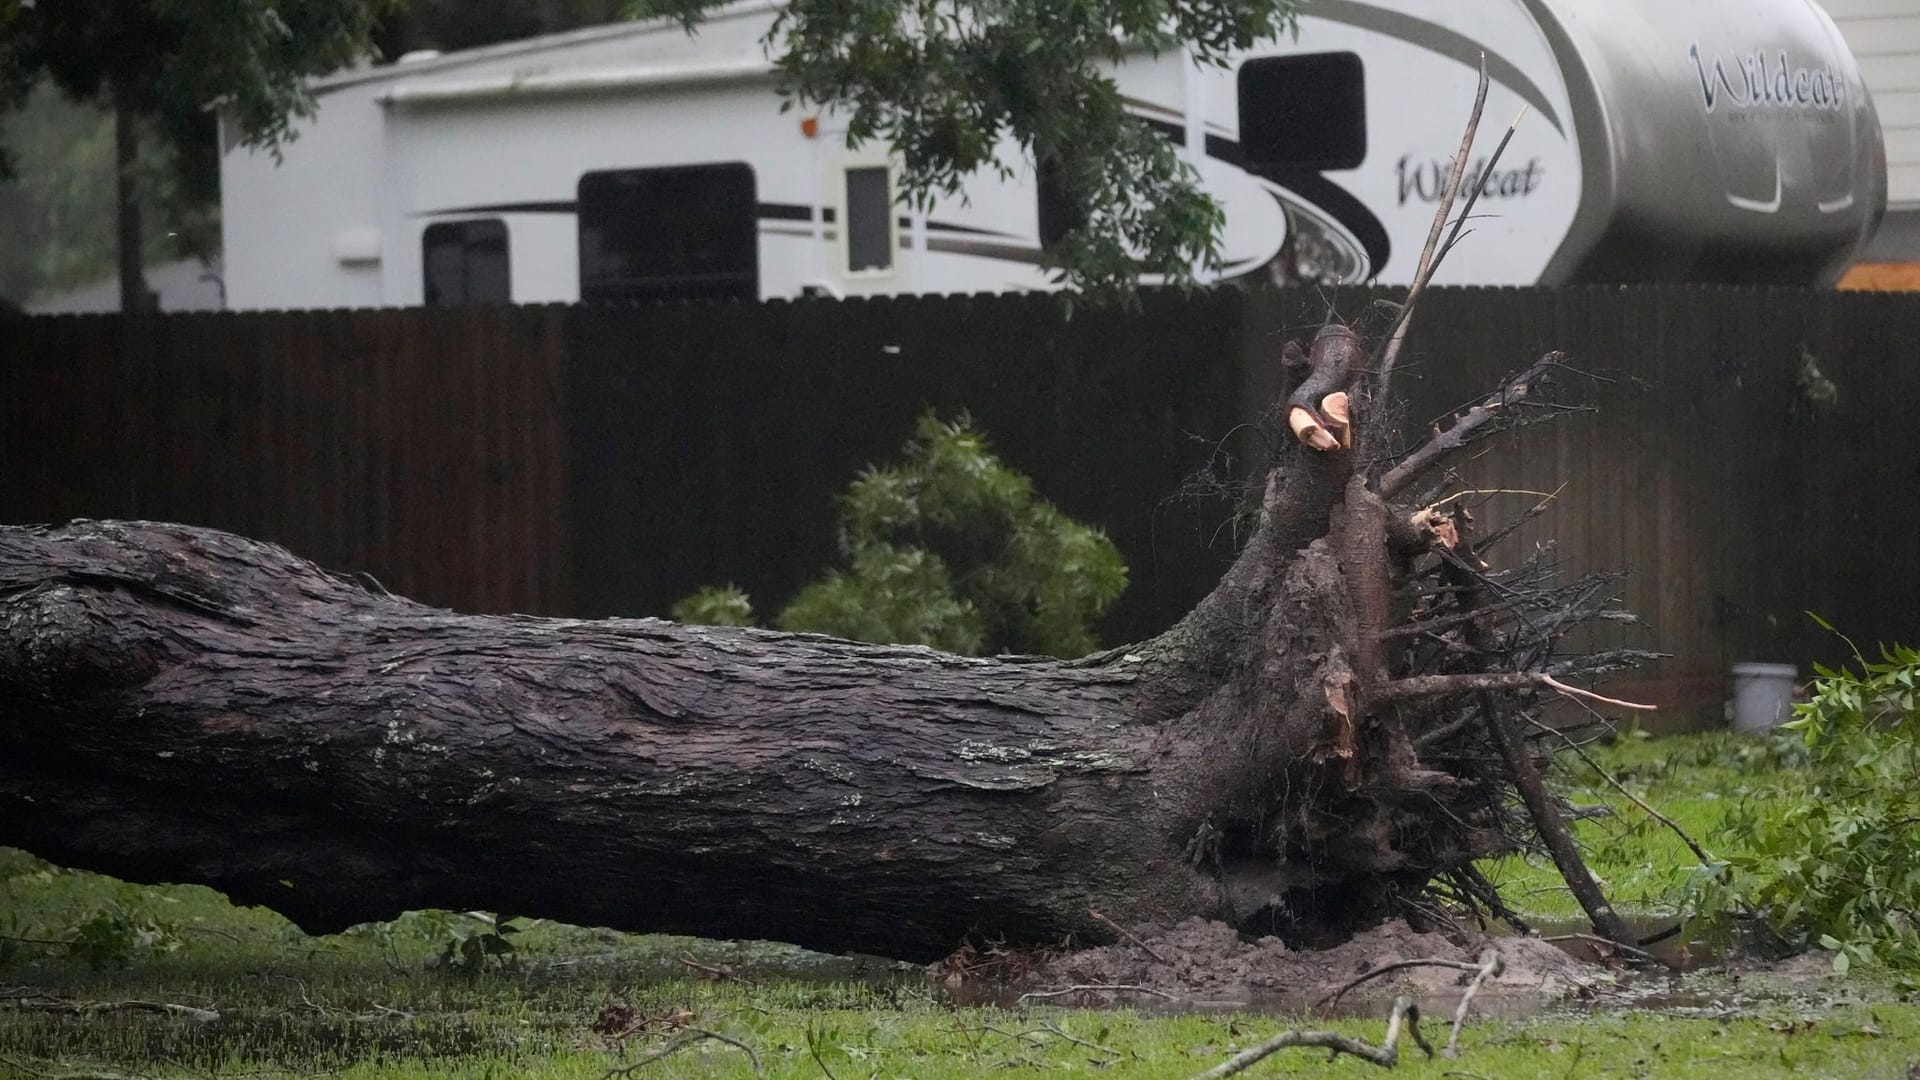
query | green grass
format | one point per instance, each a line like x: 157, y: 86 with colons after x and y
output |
x: 1695, y: 780
x: 370, y: 1003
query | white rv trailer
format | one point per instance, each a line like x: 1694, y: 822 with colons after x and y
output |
x: 1712, y: 140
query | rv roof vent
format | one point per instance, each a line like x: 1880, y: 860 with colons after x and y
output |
x: 418, y: 55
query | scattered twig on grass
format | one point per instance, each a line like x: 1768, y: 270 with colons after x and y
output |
x: 1032, y: 1035
x: 304, y: 998
x: 1102, y: 988
x: 1491, y: 965
x: 1386, y: 1055
x: 62, y: 1005
x: 34, y: 940
x: 1388, y: 969
x: 1094, y: 1046
x: 686, y: 1038
x: 24, y: 1069
x: 1131, y: 936
x: 717, y: 972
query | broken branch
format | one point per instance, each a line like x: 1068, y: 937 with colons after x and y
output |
x: 1131, y: 936
x: 1706, y: 858
x: 1444, y: 443
x: 1419, y: 686
x: 1386, y: 1055
x: 1491, y: 965
x: 686, y: 1038
x: 1104, y: 988
x: 1594, y: 939
x: 1388, y: 969
x: 1390, y: 352
x: 1552, y: 828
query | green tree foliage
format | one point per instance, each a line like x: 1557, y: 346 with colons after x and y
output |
x: 950, y: 548
x: 58, y: 211
x: 165, y: 65
x: 715, y: 605
x: 171, y: 60
x: 945, y: 81
x: 1839, y: 865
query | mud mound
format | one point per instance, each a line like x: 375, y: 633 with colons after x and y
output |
x: 1200, y: 958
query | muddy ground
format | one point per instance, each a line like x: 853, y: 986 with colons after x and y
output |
x: 1199, y: 959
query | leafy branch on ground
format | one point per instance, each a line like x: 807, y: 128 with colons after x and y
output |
x: 1836, y: 866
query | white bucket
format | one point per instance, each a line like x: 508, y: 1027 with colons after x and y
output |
x: 1761, y: 696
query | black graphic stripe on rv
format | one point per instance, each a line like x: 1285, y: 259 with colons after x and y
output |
x: 568, y: 207
x: 1330, y: 198
x: 1337, y: 202
x: 763, y: 211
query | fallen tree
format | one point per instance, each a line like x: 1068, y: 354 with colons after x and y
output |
x: 182, y: 704
x: 1329, y: 738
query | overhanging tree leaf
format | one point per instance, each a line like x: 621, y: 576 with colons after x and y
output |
x: 944, y: 82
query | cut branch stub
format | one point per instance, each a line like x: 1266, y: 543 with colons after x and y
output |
x: 1319, y: 411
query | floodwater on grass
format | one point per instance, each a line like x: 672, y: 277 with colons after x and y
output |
x: 1677, y: 946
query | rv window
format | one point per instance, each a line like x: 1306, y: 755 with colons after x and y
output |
x: 1058, y: 214
x: 1304, y: 111
x: 869, y: 220
x: 465, y: 262
x: 685, y: 232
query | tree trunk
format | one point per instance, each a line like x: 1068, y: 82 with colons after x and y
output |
x: 179, y: 704
x: 134, y: 294
x: 182, y: 704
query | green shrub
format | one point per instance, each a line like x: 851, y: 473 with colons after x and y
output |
x: 950, y: 548
x: 1841, y: 865
x: 715, y: 605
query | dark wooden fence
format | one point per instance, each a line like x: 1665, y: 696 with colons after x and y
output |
x: 603, y: 460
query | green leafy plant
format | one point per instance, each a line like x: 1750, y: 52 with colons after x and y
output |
x: 1837, y: 866
x: 715, y: 605
x: 955, y: 88
x: 464, y: 942
x: 473, y: 940
x: 1817, y: 395
x: 949, y: 547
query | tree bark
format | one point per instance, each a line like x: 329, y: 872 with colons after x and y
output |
x: 185, y: 705
x: 180, y: 704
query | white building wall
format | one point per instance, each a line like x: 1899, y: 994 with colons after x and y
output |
x: 1885, y: 37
